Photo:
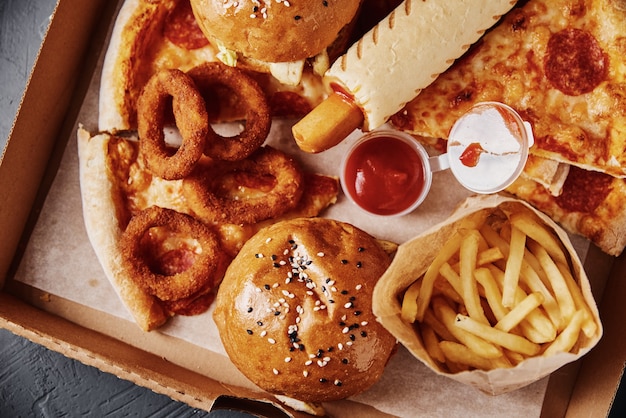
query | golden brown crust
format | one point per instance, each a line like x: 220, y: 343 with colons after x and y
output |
x: 275, y: 31
x: 294, y: 310
x: 104, y: 227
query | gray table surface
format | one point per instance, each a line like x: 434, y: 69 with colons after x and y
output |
x: 35, y: 381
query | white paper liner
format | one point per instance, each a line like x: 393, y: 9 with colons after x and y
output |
x: 412, y: 260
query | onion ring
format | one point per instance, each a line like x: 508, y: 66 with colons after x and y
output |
x: 136, y: 254
x: 202, y: 189
x: 257, y: 116
x: 191, y: 119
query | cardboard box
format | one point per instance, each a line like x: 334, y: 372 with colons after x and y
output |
x: 58, y: 85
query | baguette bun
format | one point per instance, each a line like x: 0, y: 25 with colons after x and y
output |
x: 274, y: 31
x: 294, y: 311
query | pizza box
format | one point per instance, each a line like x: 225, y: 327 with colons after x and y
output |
x: 38, y: 179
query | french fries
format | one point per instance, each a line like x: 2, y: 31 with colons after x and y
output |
x: 498, y: 293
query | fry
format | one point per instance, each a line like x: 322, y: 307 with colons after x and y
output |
x: 537, y: 327
x: 589, y: 325
x: 451, y: 276
x: 471, y: 340
x: 409, y: 302
x: 504, y: 339
x: 458, y: 353
x: 467, y: 259
x: 448, y: 250
x: 531, y: 278
x: 513, y: 266
x: 559, y: 287
x: 431, y: 343
x: 492, y: 292
x: 568, y: 337
x: 522, y: 309
x: 440, y: 329
x: 540, y: 233
x: 490, y: 255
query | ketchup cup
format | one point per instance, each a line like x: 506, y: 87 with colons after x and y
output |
x: 389, y: 173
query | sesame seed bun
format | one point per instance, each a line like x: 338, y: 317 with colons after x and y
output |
x: 275, y: 30
x: 294, y: 311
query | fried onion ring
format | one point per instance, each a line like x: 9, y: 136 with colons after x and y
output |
x: 258, y: 114
x: 203, y: 192
x: 195, y: 266
x: 191, y: 119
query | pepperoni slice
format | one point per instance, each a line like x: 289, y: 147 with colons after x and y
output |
x: 583, y: 191
x: 575, y: 63
x: 182, y: 29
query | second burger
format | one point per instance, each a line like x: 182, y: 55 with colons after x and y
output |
x: 294, y: 311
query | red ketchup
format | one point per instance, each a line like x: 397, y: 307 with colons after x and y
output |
x: 384, y: 175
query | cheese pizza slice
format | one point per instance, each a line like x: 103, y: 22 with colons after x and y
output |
x: 160, y: 253
x: 560, y: 64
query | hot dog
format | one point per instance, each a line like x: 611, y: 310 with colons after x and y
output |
x: 392, y: 63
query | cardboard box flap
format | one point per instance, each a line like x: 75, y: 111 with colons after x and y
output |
x: 62, y: 62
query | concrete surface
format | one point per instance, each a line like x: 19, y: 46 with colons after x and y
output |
x: 34, y: 381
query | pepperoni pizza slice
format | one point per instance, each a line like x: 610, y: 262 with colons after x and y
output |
x: 591, y: 203
x: 152, y: 35
x: 560, y: 64
x: 162, y: 255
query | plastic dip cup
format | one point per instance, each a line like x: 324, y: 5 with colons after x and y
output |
x: 389, y: 173
x: 488, y: 147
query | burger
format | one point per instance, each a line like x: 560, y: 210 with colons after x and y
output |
x: 294, y: 311
x: 277, y: 36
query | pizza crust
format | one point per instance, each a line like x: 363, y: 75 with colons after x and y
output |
x: 104, y: 230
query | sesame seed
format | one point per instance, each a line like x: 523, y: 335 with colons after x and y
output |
x: 340, y: 346
x: 267, y: 241
x: 358, y: 286
x: 259, y: 255
x: 322, y: 363
x: 263, y: 333
x: 271, y: 341
x: 267, y: 287
x: 308, y: 362
x: 320, y: 254
x: 275, y: 371
x: 348, y: 305
x: 287, y: 359
x: 345, y: 330
x: 338, y: 382
x: 250, y: 309
x: 249, y: 331
x: 305, y: 373
x: 364, y: 323
x: 344, y: 261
